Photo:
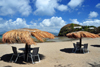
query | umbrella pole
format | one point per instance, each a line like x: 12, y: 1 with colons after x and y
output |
x: 26, y: 52
x: 80, y: 41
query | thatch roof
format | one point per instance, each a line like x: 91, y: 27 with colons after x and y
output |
x: 24, y: 35
x: 80, y: 34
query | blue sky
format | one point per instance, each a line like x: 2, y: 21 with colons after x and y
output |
x: 47, y: 15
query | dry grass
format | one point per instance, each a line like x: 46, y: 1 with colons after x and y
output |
x: 81, y: 34
x: 24, y: 36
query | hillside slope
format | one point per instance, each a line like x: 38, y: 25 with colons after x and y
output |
x: 76, y: 27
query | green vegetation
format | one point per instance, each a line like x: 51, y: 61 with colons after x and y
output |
x: 76, y: 27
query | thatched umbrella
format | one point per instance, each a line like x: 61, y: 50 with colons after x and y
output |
x: 24, y: 36
x: 81, y: 34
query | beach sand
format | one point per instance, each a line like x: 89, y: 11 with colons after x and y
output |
x: 56, y: 54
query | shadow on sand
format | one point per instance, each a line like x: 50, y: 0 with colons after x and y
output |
x: 6, y: 58
x: 60, y: 65
x: 69, y: 50
x: 94, y: 65
x: 8, y: 66
x: 95, y: 45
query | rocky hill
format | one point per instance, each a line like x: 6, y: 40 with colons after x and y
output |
x: 76, y: 27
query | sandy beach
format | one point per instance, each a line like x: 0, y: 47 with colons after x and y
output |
x: 55, y: 54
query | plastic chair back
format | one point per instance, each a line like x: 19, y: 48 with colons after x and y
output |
x: 14, y: 50
x: 35, y: 50
x: 74, y: 45
x: 85, y: 46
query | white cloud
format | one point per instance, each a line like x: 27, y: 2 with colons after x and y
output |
x: 94, y: 22
x: 33, y: 23
x: 74, y: 21
x: 10, y: 7
x: 88, y: 22
x: 45, y: 22
x: 56, y: 22
x: 93, y: 14
x: 62, y: 8
x: 51, y: 25
x: 98, y: 5
x: 75, y: 3
x: 47, y: 7
x: 7, y: 25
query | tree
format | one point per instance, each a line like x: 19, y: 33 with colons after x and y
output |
x: 85, y: 28
x: 98, y: 29
x: 72, y: 26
